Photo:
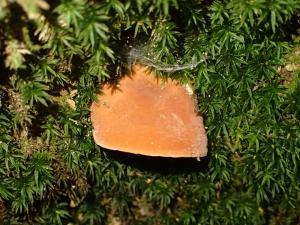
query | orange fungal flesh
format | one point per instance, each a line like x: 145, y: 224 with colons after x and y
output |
x: 146, y: 116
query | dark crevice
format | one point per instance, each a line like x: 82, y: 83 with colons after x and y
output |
x: 35, y: 128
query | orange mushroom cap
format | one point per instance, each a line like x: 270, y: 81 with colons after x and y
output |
x: 145, y: 115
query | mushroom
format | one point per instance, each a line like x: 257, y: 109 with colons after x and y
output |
x: 148, y: 116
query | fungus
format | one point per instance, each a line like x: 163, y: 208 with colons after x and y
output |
x: 145, y: 115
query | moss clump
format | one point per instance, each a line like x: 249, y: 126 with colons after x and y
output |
x: 54, y: 55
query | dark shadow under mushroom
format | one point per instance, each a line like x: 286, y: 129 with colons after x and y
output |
x: 161, y: 165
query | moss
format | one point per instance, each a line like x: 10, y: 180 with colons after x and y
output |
x: 58, y: 53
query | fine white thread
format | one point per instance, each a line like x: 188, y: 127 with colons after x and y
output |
x: 140, y: 56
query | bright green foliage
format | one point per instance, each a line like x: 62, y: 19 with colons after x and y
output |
x: 54, y: 55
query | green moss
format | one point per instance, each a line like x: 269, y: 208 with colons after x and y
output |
x: 54, y: 57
